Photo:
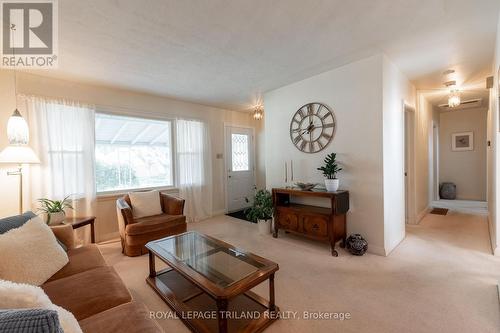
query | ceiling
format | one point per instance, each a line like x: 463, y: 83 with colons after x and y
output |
x: 226, y: 53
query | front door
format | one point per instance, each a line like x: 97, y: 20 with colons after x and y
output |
x: 240, y: 167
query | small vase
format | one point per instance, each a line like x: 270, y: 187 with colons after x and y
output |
x: 356, y: 244
x: 332, y: 185
x: 264, y: 226
x: 55, y: 218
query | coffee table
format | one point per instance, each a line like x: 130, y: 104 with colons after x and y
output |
x: 208, y: 283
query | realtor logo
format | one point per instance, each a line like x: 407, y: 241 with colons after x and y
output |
x: 29, y: 33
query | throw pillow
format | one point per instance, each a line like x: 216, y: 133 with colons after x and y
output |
x: 14, y: 222
x: 29, y: 320
x: 145, y: 203
x: 23, y: 296
x: 30, y: 253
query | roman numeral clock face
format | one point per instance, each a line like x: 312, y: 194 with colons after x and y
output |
x: 312, y: 127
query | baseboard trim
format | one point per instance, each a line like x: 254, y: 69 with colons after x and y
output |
x: 219, y: 212
x: 108, y: 236
x: 378, y: 250
x: 422, y: 214
x: 494, y: 249
x: 393, y: 247
x: 498, y: 291
x: 463, y: 206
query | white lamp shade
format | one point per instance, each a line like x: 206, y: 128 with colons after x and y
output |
x: 18, y: 155
x: 17, y: 129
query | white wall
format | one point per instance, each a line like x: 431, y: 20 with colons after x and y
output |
x: 453, y: 165
x: 128, y: 102
x: 423, y: 164
x: 494, y: 152
x: 367, y: 98
x: 396, y: 89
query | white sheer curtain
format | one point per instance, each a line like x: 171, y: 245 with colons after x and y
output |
x: 62, y: 134
x: 194, y: 168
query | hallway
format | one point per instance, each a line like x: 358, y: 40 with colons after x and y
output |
x: 441, y: 278
x: 453, y: 232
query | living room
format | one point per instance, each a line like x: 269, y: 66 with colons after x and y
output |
x: 155, y: 124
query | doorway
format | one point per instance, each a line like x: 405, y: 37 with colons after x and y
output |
x: 240, y: 167
x: 459, y: 153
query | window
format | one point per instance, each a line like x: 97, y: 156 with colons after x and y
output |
x: 240, y: 157
x: 132, y: 153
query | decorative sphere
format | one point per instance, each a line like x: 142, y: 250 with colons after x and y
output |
x: 356, y: 244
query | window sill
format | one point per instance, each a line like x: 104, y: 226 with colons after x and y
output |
x: 112, y: 195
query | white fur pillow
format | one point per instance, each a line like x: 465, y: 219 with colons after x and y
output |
x: 24, y: 296
x: 145, y: 203
x: 30, y: 253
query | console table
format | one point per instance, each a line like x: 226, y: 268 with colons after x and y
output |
x: 319, y: 223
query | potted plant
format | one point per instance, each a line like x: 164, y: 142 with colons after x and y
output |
x: 261, y: 211
x: 330, y: 170
x: 54, y: 209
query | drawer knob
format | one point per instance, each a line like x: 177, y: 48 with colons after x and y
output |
x: 315, y: 226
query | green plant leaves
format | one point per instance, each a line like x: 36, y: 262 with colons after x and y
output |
x: 262, y: 208
x: 54, y: 206
x: 331, y: 168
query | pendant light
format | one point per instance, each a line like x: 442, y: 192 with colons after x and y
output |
x: 258, y: 113
x: 451, y: 84
x: 17, y: 128
x: 454, y: 98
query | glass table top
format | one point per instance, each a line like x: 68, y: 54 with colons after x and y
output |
x: 221, y: 264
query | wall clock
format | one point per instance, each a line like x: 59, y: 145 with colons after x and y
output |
x: 312, y: 127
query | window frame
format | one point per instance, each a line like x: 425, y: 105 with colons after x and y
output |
x: 143, y: 116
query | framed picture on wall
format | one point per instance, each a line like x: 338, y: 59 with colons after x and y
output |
x: 463, y: 141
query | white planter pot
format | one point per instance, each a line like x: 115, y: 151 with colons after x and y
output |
x: 56, y: 218
x: 264, y: 226
x: 332, y: 185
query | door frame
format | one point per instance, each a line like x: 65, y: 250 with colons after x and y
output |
x: 409, y: 163
x: 435, y: 162
x: 253, y: 146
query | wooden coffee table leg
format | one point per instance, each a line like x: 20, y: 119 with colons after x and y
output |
x: 152, y: 269
x: 222, y: 315
x: 272, y: 304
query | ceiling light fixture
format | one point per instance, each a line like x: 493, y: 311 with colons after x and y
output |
x: 17, y: 128
x: 454, y: 98
x: 454, y: 94
x: 258, y: 113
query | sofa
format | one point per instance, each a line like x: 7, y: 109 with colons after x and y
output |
x: 136, y: 232
x: 93, y: 291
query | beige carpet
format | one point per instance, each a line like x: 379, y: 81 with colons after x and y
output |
x: 442, y: 278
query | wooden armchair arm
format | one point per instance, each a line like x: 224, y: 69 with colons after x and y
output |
x: 171, y: 205
x: 64, y: 233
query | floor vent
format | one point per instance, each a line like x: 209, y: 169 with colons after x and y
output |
x: 439, y: 211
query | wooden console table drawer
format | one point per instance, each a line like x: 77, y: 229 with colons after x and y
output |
x: 288, y: 220
x: 320, y: 223
x: 316, y: 226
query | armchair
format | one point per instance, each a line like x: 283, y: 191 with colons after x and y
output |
x: 136, y: 232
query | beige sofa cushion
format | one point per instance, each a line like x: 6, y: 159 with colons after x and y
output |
x: 24, y: 296
x: 81, y: 259
x: 30, y: 254
x: 145, y: 203
x: 130, y: 317
x: 88, y: 293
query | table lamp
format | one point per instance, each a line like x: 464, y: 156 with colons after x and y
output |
x: 18, y: 152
